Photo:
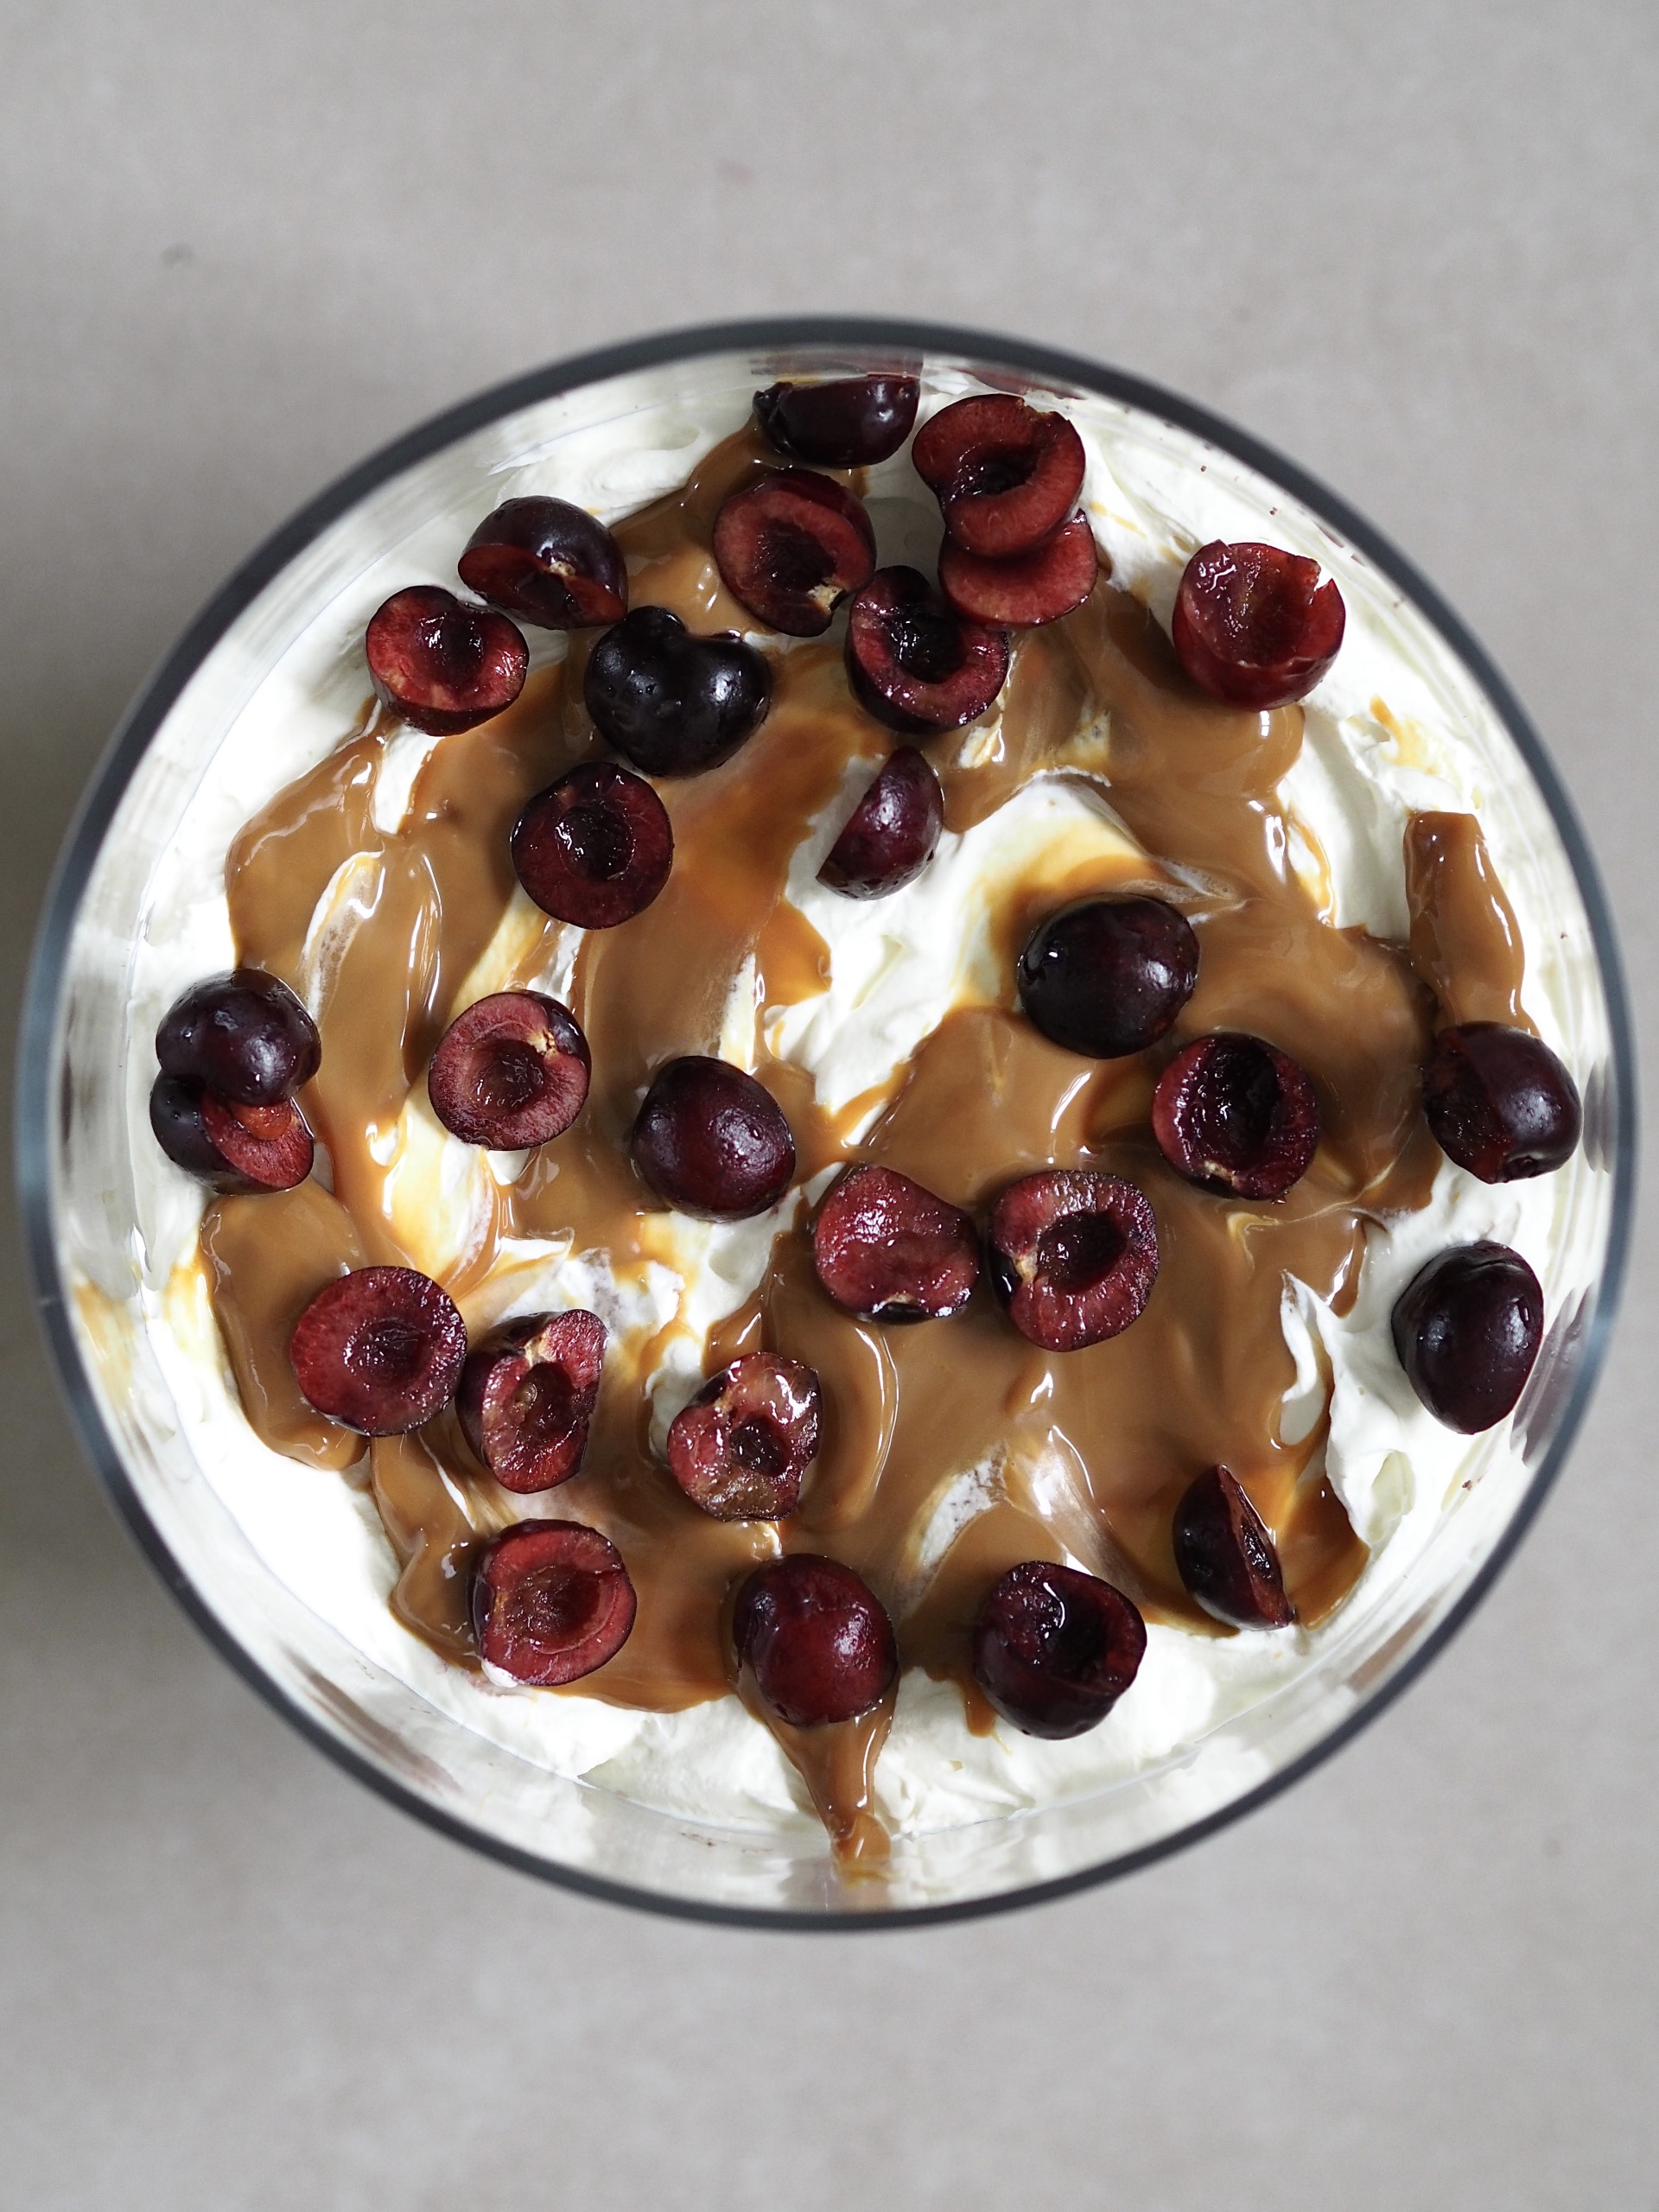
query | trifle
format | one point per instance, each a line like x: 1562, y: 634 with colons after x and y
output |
x: 857, y: 1116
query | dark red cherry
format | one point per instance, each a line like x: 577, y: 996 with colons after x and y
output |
x: 231, y: 1147
x: 527, y: 1394
x: 1236, y: 1116
x: 914, y: 664
x: 1107, y: 978
x: 380, y: 1349
x: 510, y: 1072
x: 790, y: 545
x: 818, y: 1637
x: 551, y: 1601
x: 1027, y: 589
x: 1225, y: 1556
x: 442, y: 664
x: 889, y: 1250
x: 710, y: 1142
x: 1055, y: 1648
x: 742, y: 1447
x: 244, y: 1036
x: 847, y: 422
x: 595, y: 847
x: 547, y: 563
x: 1007, y: 476
x: 1499, y: 1102
x: 1074, y: 1255
x: 1467, y: 1331
x: 672, y: 703
x: 890, y: 835
x: 1254, y: 625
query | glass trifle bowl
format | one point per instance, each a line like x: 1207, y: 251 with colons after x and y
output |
x: 285, y: 1566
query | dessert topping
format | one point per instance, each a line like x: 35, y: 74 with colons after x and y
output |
x: 595, y: 847
x: 551, y: 1601
x: 1254, y: 625
x: 844, y: 422
x: 1225, y: 1556
x: 1234, y: 1113
x: 791, y: 545
x: 916, y: 666
x: 511, y: 1072
x: 1500, y: 1103
x: 1054, y: 1648
x: 1074, y: 1256
x: 888, y: 1250
x: 1107, y: 978
x: 444, y: 666
x: 380, y: 1350
x: 890, y: 835
x: 671, y: 703
x: 527, y: 1395
x: 1467, y: 1330
x: 710, y: 1140
x: 817, y: 1639
x: 547, y: 563
x: 741, y: 1448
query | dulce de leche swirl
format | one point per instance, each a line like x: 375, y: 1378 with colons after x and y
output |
x: 1082, y: 1455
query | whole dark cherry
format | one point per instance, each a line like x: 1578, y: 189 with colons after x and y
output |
x: 1253, y: 625
x: 551, y: 1601
x: 527, y: 1394
x: 547, y: 563
x: 890, y: 835
x: 1467, y: 1331
x: 672, y: 703
x: 1025, y: 588
x: 444, y: 666
x: 1007, y: 475
x: 817, y: 1638
x: 845, y: 422
x: 1108, y: 977
x: 711, y: 1141
x: 1500, y: 1103
x: 230, y: 1147
x: 1225, y: 1556
x: 510, y: 1072
x: 1054, y: 1648
x: 244, y: 1036
x: 888, y: 1250
x: 1235, y: 1115
x: 741, y: 1448
x: 914, y: 663
x: 791, y: 545
x: 1074, y: 1255
x: 381, y: 1350
x: 595, y: 847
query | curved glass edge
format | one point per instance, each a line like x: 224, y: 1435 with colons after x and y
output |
x: 37, y: 1104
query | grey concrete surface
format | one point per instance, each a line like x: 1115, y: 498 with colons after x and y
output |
x: 1413, y: 246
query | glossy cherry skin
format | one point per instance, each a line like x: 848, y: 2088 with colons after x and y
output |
x: 1007, y: 475
x: 595, y: 847
x: 791, y: 545
x: 740, y: 1450
x: 891, y: 834
x: 1500, y: 1103
x: 888, y: 1250
x: 551, y: 1601
x: 1074, y: 1255
x: 547, y: 563
x: 230, y: 1147
x: 244, y: 1036
x: 1467, y: 1331
x: 1253, y: 625
x: 527, y: 1394
x: 711, y: 1141
x: 510, y: 1072
x: 671, y: 703
x: 1236, y: 1116
x: 1109, y: 977
x: 1054, y: 1648
x: 380, y: 1350
x: 1224, y: 1555
x: 444, y: 666
x: 1027, y: 589
x: 845, y: 422
x: 817, y: 1638
x: 913, y: 663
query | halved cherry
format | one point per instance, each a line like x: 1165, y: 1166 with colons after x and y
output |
x: 443, y: 665
x: 790, y: 545
x: 595, y: 847
x: 1027, y: 589
x: 527, y: 1395
x: 1054, y: 1648
x: 1236, y: 1116
x: 244, y: 1036
x: 916, y: 666
x: 671, y: 703
x: 1074, y: 1255
x: 548, y: 564
x: 510, y: 1072
x: 551, y: 1601
x: 890, y: 835
x: 845, y: 422
x: 228, y: 1147
x: 742, y: 1447
x: 1108, y: 977
x: 1225, y: 1556
x: 817, y: 1638
x: 380, y: 1349
x: 712, y: 1141
x: 888, y: 1250
x: 1254, y: 625
x: 1007, y: 476
x: 1500, y: 1103
x: 1467, y: 1331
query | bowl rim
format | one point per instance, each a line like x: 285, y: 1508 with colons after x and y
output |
x: 36, y: 1077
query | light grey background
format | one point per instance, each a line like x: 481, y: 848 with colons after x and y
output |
x: 1413, y: 245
